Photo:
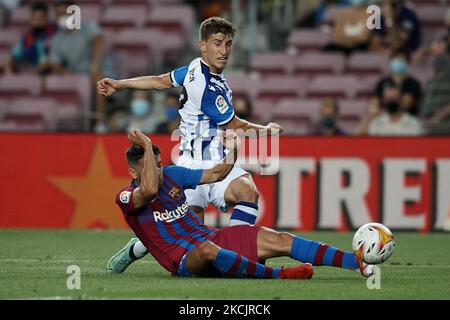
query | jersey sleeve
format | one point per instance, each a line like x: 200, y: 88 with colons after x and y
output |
x: 178, y: 75
x: 124, y: 200
x: 187, y: 178
x: 217, y: 107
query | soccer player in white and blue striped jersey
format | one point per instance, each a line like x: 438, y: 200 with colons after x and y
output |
x: 206, y: 110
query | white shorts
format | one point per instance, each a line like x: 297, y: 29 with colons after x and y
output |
x: 208, y: 193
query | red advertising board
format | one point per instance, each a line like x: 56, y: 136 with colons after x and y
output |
x: 70, y: 181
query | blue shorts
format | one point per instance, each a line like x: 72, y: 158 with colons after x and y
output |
x: 182, y: 269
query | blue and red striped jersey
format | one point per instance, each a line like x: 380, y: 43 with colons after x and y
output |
x: 166, y: 225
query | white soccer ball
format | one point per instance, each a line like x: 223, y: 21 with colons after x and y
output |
x: 373, y: 243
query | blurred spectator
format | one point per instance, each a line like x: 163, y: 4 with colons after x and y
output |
x: 400, y: 28
x: 243, y: 107
x: 31, y: 52
x: 329, y: 115
x: 81, y: 51
x: 142, y: 112
x: 6, y: 7
x: 350, y: 31
x: 393, y: 121
x: 436, y: 105
x: 171, y: 105
x: 118, y: 120
x: 410, y: 89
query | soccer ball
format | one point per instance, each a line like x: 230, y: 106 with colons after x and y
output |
x: 373, y: 243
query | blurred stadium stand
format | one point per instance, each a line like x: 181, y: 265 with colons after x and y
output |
x: 150, y: 36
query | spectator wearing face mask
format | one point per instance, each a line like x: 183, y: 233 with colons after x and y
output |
x: 117, y: 120
x: 142, y: 113
x: 329, y: 115
x: 393, y: 121
x: 31, y: 52
x: 172, y: 122
x: 410, y: 88
x: 436, y: 104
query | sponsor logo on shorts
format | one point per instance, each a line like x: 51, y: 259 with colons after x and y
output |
x: 169, y: 216
x: 125, y: 196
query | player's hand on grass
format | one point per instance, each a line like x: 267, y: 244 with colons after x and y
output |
x: 275, y: 128
x: 139, y: 139
x: 107, y: 87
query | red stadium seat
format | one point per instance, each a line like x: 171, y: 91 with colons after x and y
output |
x: 91, y: 11
x: 432, y: 15
x: 330, y: 15
x: 20, y: 17
x: 307, y: 39
x: 9, y: 37
x: 352, y: 109
x: 319, y: 63
x: 273, y: 63
x: 368, y: 63
x: 71, y: 89
x: 178, y: 19
x: 12, y: 85
x: 294, y: 127
x: 27, y: 111
x: 306, y: 110
x: 262, y: 111
x: 276, y: 88
x: 243, y: 84
x: 332, y: 86
x: 122, y: 16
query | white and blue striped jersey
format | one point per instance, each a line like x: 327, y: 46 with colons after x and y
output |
x: 205, y: 107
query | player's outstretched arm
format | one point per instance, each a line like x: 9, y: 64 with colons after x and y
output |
x: 149, y: 182
x: 107, y: 86
x: 250, y: 129
x: 221, y: 170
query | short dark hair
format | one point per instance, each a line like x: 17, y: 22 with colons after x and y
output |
x: 215, y: 25
x: 39, y: 6
x: 134, y: 153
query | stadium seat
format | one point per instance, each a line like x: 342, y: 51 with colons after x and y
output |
x: 294, y: 127
x: 368, y: 63
x: 20, y: 17
x: 366, y: 85
x: 319, y: 63
x: 4, y: 54
x: 275, y: 88
x: 273, y: 63
x: 12, y: 85
x: 124, y: 16
x: 330, y: 15
x: 307, y: 39
x: 175, y: 19
x: 27, y: 111
x: 91, y: 11
x: 332, y: 86
x: 432, y: 15
x: 262, y: 111
x: 72, y: 89
x: 9, y: 37
x: 306, y: 110
x: 243, y: 84
x: 351, y: 109
x: 142, y: 48
x: 421, y: 73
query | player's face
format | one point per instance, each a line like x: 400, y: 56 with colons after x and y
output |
x: 216, y: 51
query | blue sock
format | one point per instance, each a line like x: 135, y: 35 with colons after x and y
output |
x: 232, y: 264
x: 244, y: 213
x: 321, y: 254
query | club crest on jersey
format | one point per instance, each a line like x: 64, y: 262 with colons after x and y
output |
x: 221, y: 104
x: 125, y: 196
x: 175, y: 193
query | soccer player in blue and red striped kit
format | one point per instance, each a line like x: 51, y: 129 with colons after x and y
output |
x: 155, y: 207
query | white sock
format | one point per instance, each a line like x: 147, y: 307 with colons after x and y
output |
x: 139, y: 250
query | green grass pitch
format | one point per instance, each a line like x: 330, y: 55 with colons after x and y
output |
x: 33, y: 265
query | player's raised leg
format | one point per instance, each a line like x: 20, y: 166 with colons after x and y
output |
x: 208, y: 259
x: 272, y: 243
x: 242, y: 194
